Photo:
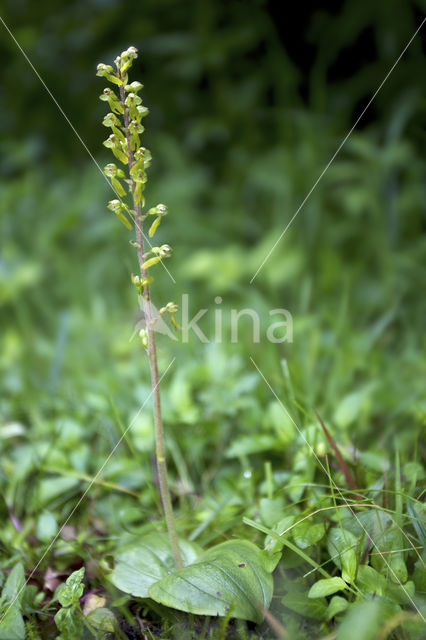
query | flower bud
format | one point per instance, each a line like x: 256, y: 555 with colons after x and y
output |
x: 136, y: 127
x: 143, y: 111
x: 143, y: 335
x: 165, y: 251
x: 110, y: 170
x: 111, y: 141
x: 132, y: 99
x: 134, y: 86
x: 161, y: 210
x: 103, y: 69
x: 107, y: 94
x: 111, y: 120
x: 114, y: 205
x: 132, y: 52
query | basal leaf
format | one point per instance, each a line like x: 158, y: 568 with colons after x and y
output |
x: 14, y: 583
x: 300, y: 603
x: 69, y: 592
x: 233, y: 575
x: 326, y: 587
x: 146, y: 561
x: 271, y: 510
x: 307, y: 534
x: 370, y: 581
x: 69, y: 623
x: 12, y: 625
x: 364, y: 619
x: 103, y: 619
x: 337, y: 605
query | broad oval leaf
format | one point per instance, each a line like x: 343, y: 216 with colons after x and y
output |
x: 12, y: 624
x: 300, y: 603
x: 147, y: 560
x: 370, y: 581
x: 337, y: 605
x: 15, y: 582
x: 234, y: 576
x: 326, y: 587
x: 306, y: 534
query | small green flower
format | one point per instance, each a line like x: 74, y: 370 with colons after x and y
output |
x: 109, y: 96
x: 104, y: 69
x: 111, y: 120
x: 165, y: 251
x: 132, y: 100
x: 134, y: 86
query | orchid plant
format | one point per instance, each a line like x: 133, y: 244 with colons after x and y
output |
x: 125, y: 119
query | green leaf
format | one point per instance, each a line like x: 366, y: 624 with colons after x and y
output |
x: 47, y: 527
x: 69, y: 592
x: 70, y: 623
x: 374, y: 522
x: 245, y: 445
x: 14, y: 583
x: 234, y: 576
x: 364, y: 620
x: 397, y: 568
x: 103, y: 619
x: 400, y: 594
x: 12, y: 625
x: 348, y: 409
x: 342, y: 545
x: 326, y: 587
x: 301, y: 604
x: 271, y: 510
x: 336, y: 606
x: 50, y: 489
x: 307, y: 534
x: 146, y: 561
x: 274, y: 544
x: 419, y: 576
x: 370, y: 581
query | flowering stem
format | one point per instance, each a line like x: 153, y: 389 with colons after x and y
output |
x: 152, y: 356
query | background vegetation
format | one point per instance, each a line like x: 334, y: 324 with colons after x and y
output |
x: 246, y: 110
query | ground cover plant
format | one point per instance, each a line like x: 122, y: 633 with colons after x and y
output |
x: 295, y: 469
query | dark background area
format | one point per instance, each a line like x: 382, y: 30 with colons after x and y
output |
x: 229, y: 71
